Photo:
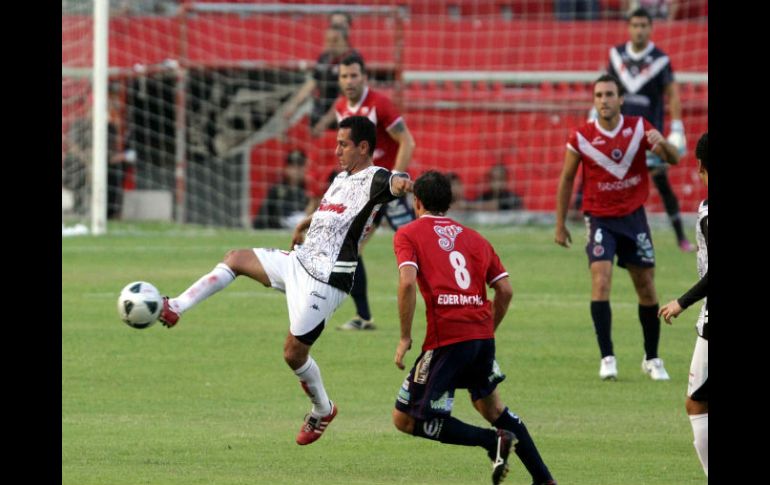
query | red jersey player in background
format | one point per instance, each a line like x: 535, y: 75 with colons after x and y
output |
x: 395, y: 146
x: 616, y: 186
x: 453, y: 265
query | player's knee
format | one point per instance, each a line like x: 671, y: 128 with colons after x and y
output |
x: 293, y: 357
x: 403, y: 422
x: 234, y: 259
x: 696, y: 407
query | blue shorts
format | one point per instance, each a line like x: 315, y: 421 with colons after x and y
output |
x: 398, y: 212
x: 429, y: 389
x: 629, y: 237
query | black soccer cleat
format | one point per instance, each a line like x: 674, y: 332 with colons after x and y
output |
x: 506, y: 441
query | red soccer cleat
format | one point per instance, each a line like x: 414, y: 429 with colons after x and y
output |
x: 314, y: 427
x: 168, y: 317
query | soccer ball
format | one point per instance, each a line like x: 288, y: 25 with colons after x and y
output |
x: 139, y: 304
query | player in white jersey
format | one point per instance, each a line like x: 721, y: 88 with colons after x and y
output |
x: 318, y: 273
x: 697, y: 403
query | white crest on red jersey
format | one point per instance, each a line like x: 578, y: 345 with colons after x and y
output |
x: 618, y: 170
x: 447, y: 235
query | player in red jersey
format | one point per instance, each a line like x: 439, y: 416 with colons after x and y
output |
x: 395, y: 146
x: 453, y: 265
x: 616, y: 185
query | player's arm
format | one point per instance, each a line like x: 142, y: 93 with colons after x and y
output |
x: 407, y: 299
x: 406, y: 145
x: 503, y: 296
x: 298, y: 236
x: 299, y: 97
x: 562, y: 236
x: 676, y: 134
x: 324, y: 122
x: 673, y: 308
x: 662, y: 147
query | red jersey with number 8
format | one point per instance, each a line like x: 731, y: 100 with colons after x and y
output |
x: 454, y: 266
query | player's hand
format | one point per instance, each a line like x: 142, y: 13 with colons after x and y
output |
x: 403, y: 346
x: 676, y: 137
x: 654, y: 137
x: 402, y: 185
x: 562, y: 236
x: 670, y: 310
x: 298, y: 237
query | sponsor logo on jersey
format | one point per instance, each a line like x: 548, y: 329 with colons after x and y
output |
x: 627, y: 131
x: 598, y: 141
x: 317, y: 295
x: 620, y: 184
x: 447, y: 236
x: 330, y: 207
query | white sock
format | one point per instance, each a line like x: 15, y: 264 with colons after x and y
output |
x: 310, y: 378
x: 207, y: 285
x: 700, y: 429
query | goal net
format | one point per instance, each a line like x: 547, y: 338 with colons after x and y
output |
x: 198, y: 97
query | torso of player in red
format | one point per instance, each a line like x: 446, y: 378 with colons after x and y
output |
x: 454, y: 266
x: 615, y: 177
x: 381, y: 111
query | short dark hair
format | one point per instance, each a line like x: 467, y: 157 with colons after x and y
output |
x: 640, y: 12
x: 354, y: 58
x: 434, y: 190
x: 609, y: 78
x: 347, y: 16
x: 296, y: 157
x: 702, y: 150
x: 361, y: 129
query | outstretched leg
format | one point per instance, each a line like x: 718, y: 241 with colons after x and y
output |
x: 236, y: 263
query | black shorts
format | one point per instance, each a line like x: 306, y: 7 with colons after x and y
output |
x: 428, y: 391
x: 629, y: 237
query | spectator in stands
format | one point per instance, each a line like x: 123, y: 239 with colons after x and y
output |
x: 76, y: 167
x: 323, y: 84
x: 659, y: 9
x: 576, y: 9
x: 459, y: 202
x: 76, y: 163
x: 498, y: 196
x: 285, y: 202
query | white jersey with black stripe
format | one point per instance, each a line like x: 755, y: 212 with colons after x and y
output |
x: 330, y: 250
x: 702, y: 258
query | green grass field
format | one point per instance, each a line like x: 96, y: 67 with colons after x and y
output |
x: 212, y: 402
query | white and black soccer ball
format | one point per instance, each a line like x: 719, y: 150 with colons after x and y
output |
x: 139, y: 304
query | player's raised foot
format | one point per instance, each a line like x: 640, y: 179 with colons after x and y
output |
x: 686, y: 246
x: 314, y: 427
x: 357, y: 323
x: 168, y: 317
x: 506, y: 441
x: 608, y: 369
x: 654, y: 368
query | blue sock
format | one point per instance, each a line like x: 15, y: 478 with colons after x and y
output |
x: 648, y: 316
x: 358, y: 292
x: 525, y: 449
x: 602, y: 317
